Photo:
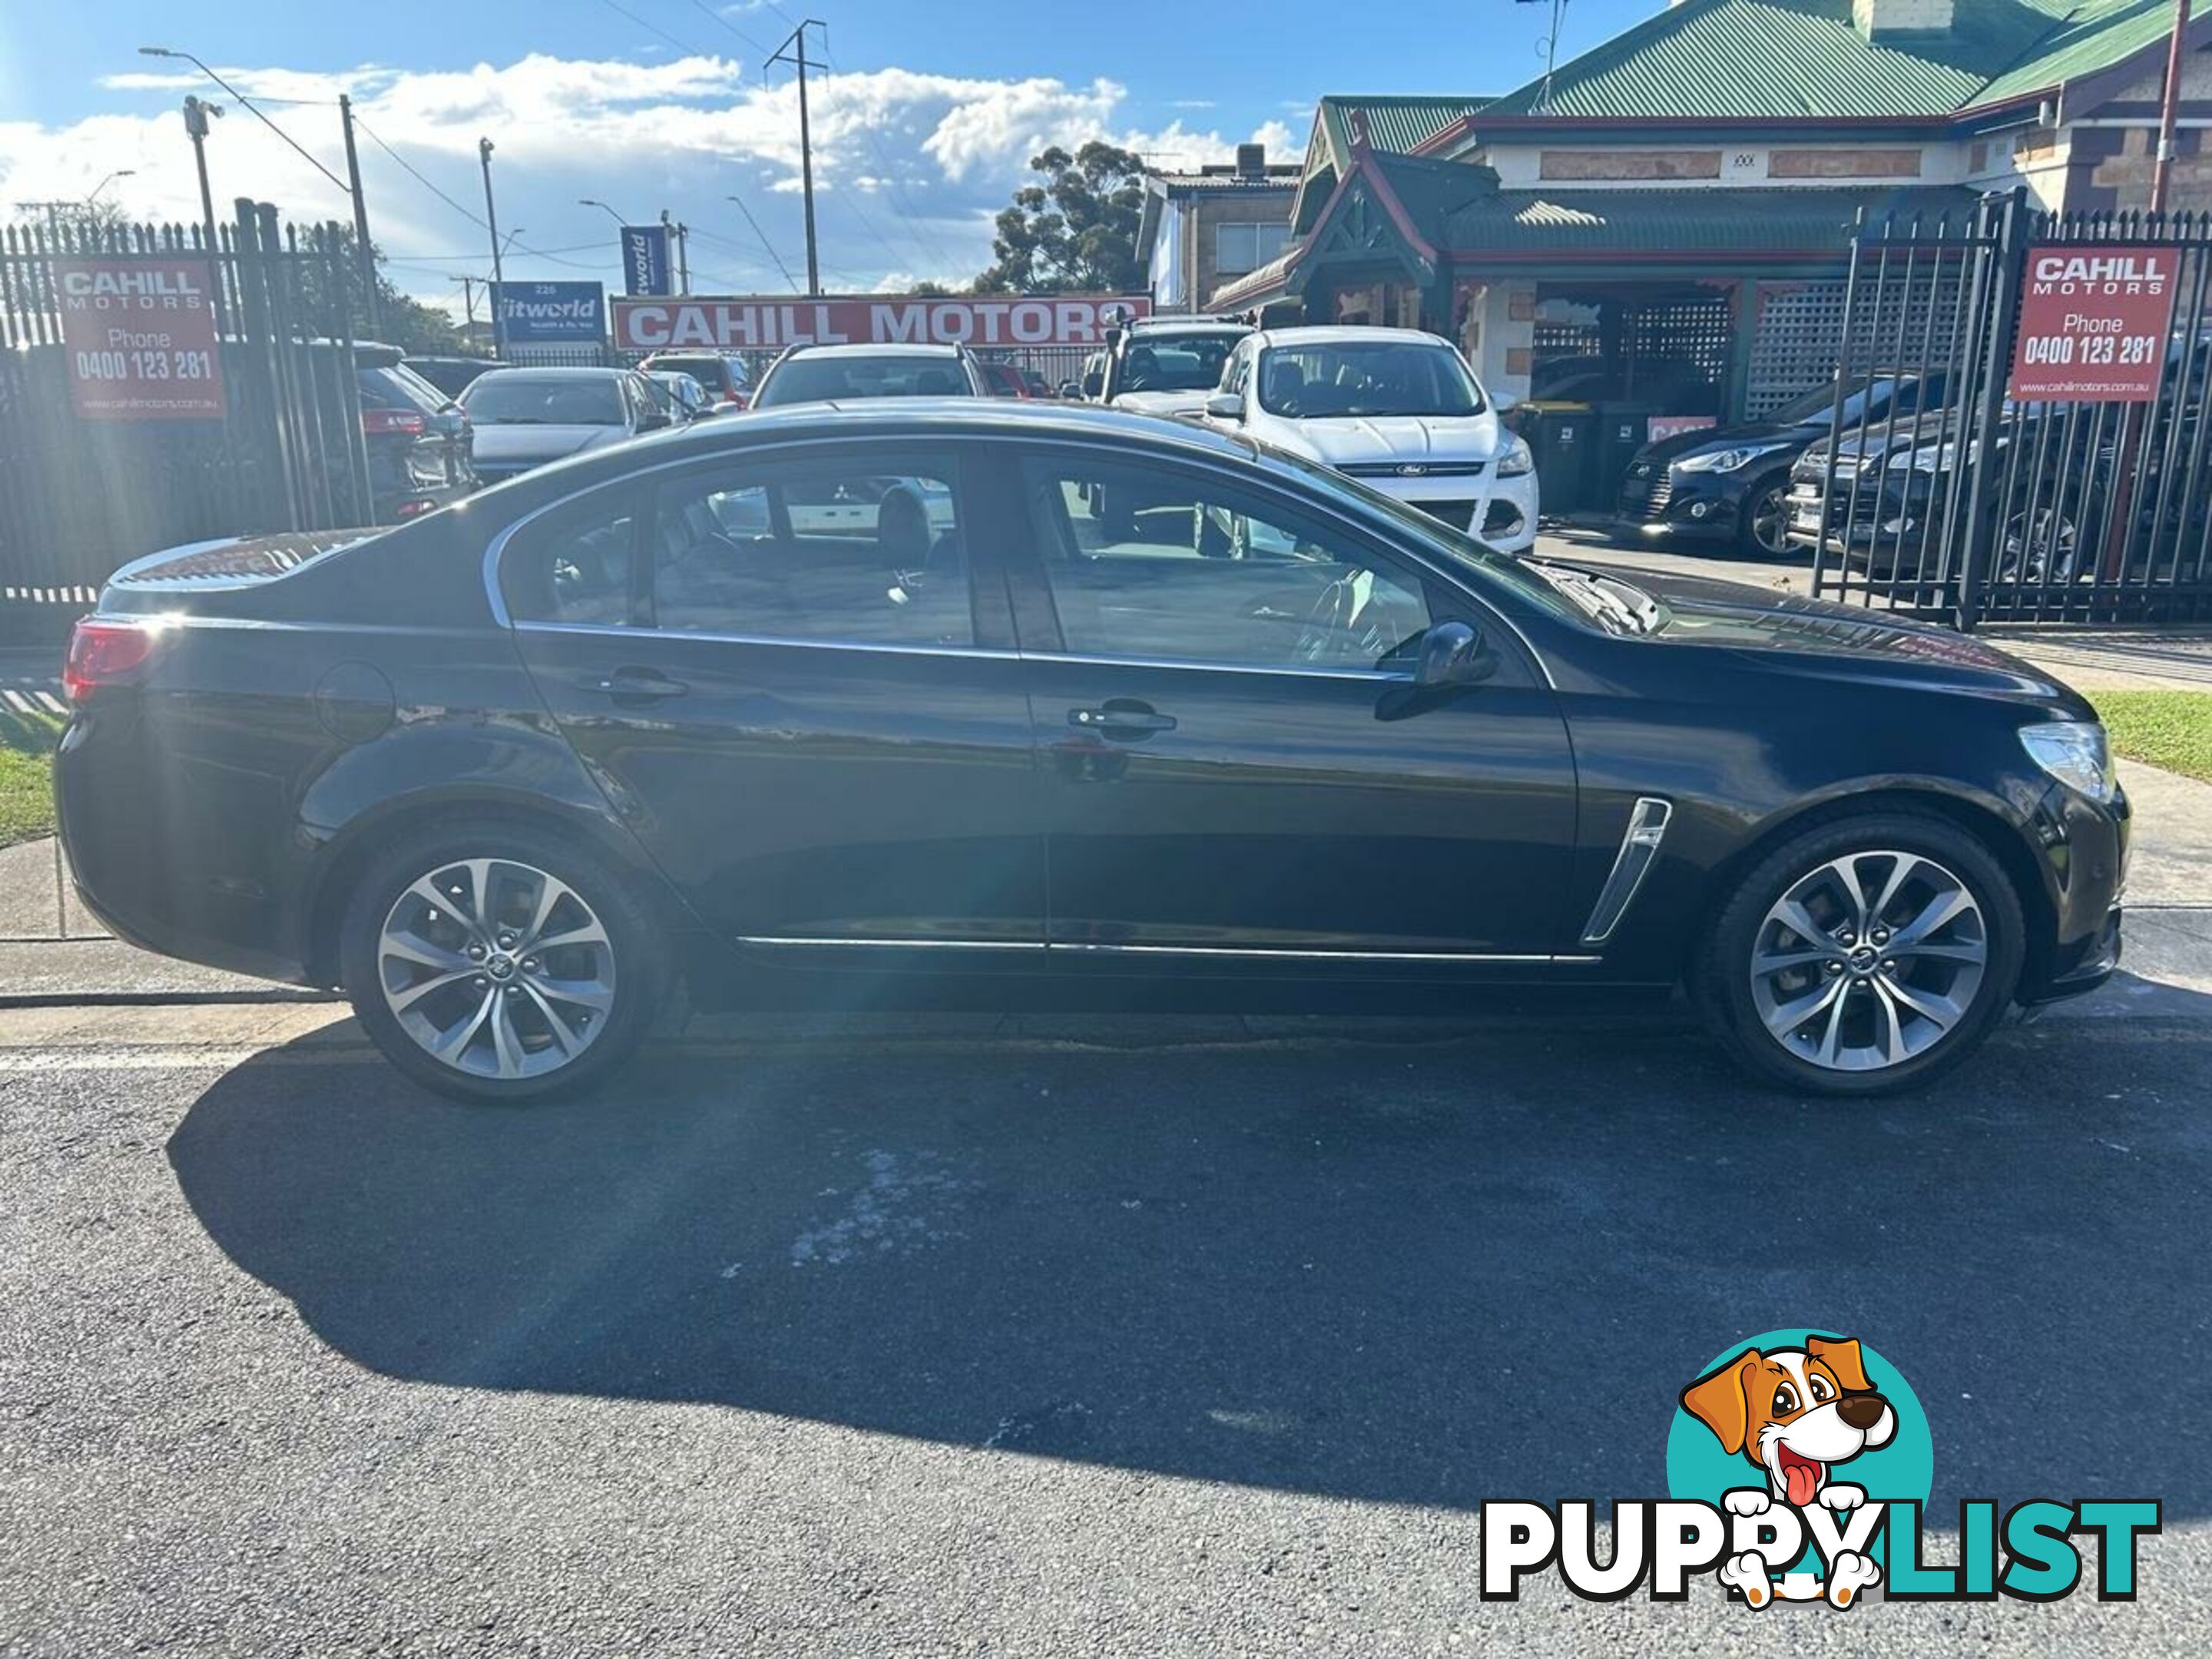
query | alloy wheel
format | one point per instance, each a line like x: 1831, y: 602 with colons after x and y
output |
x: 496, y: 969
x: 1868, y: 960
x: 2038, y: 546
x: 1769, y: 520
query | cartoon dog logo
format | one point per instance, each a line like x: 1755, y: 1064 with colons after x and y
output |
x: 1794, y: 1413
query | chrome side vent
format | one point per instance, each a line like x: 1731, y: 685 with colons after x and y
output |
x: 1639, y: 849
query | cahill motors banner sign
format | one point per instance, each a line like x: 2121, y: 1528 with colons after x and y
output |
x: 2093, y: 322
x: 139, y: 337
x: 769, y: 322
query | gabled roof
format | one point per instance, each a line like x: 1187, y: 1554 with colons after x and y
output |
x: 1684, y: 223
x: 1395, y: 122
x: 1805, y: 59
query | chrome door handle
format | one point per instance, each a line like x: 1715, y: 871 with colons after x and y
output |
x: 639, y: 686
x: 1122, y: 718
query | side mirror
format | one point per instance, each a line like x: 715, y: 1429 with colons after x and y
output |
x: 1451, y: 655
x: 1225, y: 406
x: 1093, y: 383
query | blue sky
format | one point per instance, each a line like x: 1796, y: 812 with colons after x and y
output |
x: 924, y: 119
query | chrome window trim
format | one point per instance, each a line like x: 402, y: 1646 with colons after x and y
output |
x: 1180, y: 664
x: 1191, y: 453
x: 1249, y: 953
x: 989, y: 653
x: 1639, y: 850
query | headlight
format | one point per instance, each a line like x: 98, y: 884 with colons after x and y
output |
x: 1727, y: 460
x: 1516, y: 462
x: 2075, y: 753
x: 1937, y: 458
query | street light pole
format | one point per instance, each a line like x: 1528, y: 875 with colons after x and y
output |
x: 196, y: 113
x: 2170, y: 108
x: 498, y: 276
x: 795, y: 44
x: 120, y: 172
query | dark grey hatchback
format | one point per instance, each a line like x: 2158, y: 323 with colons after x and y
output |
x: 867, y: 704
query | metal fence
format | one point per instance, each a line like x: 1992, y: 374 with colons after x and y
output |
x: 79, y: 497
x: 1993, y: 509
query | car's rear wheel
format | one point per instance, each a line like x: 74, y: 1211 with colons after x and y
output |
x: 1865, y: 955
x: 497, y: 962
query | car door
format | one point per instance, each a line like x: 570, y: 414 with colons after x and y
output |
x: 771, y: 663
x: 1236, y: 759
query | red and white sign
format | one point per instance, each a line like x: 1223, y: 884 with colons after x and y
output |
x: 1673, y: 426
x: 2093, y: 323
x: 766, y: 323
x: 139, y: 336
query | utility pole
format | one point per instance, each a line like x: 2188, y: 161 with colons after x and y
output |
x: 679, y: 237
x: 468, y: 304
x: 498, y: 273
x: 363, y: 254
x: 2170, y: 109
x: 795, y: 43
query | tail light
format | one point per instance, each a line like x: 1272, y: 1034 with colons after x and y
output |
x: 375, y: 423
x: 106, y: 653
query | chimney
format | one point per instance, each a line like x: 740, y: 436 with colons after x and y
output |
x: 1886, y: 20
x: 1251, y: 162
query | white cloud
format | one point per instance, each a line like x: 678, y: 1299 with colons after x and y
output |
x: 909, y: 166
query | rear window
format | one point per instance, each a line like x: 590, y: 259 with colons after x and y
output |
x: 532, y: 400
x: 395, y: 388
x: 813, y: 379
x: 715, y: 373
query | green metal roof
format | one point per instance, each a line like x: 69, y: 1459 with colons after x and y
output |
x: 1782, y: 59
x: 1395, y: 122
x: 1632, y: 221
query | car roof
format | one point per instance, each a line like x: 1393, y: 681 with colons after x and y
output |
x: 1351, y: 334
x: 861, y: 348
x: 581, y: 372
x: 922, y: 418
x: 1188, y: 325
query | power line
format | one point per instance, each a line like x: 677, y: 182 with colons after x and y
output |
x: 732, y: 27
x: 410, y: 168
x: 254, y: 111
x: 688, y: 50
x: 767, y: 246
x: 902, y: 203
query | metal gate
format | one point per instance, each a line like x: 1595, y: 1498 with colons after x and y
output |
x: 79, y: 497
x: 1965, y: 504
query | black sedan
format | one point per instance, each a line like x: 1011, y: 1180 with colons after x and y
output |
x: 866, y: 703
x: 1730, y: 485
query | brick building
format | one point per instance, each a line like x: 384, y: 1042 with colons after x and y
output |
x: 1664, y: 222
x: 1198, y: 231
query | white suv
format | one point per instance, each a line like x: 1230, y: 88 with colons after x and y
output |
x: 1395, y: 408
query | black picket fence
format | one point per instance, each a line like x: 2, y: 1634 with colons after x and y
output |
x: 79, y: 497
x: 1994, y: 508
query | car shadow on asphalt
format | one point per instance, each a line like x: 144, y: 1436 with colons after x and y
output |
x: 1423, y: 1272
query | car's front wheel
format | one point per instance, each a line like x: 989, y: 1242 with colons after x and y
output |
x: 497, y: 962
x: 1865, y: 954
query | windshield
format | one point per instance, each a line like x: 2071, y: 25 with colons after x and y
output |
x: 1449, y: 546
x: 535, y: 400
x: 1868, y: 400
x: 1178, y: 362
x: 1339, y: 378
x: 813, y: 379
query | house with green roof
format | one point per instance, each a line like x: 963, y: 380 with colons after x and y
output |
x: 1664, y: 222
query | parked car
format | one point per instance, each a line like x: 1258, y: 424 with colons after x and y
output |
x: 2049, y: 513
x: 526, y: 417
x: 451, y: 375
x: 1728, y: 486
x: 1163, y: 365
x: 1012, y: 380
x: 816, y: 373
x: 1398, y: 410
x: 681, y: 397
x: 419, y: 440
x: 728, y: 383
x: 505, y: 775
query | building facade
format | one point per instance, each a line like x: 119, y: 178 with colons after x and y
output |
x: 1200, y: 231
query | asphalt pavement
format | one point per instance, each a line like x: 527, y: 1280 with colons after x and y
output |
x: 1087, y: 1336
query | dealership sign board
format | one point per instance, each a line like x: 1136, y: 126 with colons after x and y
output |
x: 644, y: 260
x: 550, y: 313
x: 2093, y: 323
x: 139, y: 336
x: 753, y: 323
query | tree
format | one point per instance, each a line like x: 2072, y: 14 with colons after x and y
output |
x: 81, y: 222
x: 1076, y: 231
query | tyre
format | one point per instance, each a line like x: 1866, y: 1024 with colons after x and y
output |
x: 1865, y: 955
x: 1764, y: 530
x: 498, y: 961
